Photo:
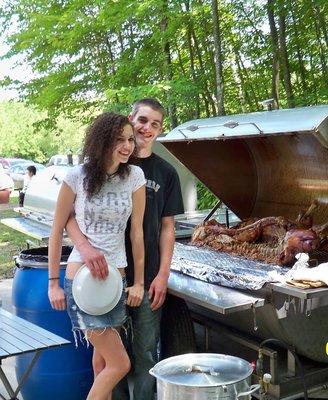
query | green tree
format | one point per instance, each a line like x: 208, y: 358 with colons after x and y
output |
x: 22, y: 135
x: 89, y: 55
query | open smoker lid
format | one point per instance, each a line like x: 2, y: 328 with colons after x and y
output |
x: 259, y: 164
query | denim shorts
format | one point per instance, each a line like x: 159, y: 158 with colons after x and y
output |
x: 83, y: 321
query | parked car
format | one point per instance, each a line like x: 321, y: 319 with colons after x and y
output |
x: 4, y: 163
x: 10, y: 162
x: 18, y: 171
x: 63, y: 159
x: 6, y: 186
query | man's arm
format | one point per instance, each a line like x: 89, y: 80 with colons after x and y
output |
x: 93, y: 258
x: 136, y: 292
x: 158, y: 287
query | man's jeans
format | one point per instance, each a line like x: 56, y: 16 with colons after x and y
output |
x: 146, y: 329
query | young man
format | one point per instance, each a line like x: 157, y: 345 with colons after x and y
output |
x: 163, y: 202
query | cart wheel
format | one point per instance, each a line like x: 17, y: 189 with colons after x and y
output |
x: 177, y: 331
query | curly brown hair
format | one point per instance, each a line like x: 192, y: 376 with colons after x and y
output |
x: 100, y: 138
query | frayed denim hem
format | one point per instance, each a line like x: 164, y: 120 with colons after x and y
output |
x: 80, y: 335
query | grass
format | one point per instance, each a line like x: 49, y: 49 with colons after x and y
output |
x: 11, y: 243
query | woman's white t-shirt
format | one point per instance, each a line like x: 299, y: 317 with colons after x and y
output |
x: 103, y: 218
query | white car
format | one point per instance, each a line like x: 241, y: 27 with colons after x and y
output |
x: 18, y: 171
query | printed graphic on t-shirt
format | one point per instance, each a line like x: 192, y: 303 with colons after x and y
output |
x: 152, y: 185
x: 107, y: 212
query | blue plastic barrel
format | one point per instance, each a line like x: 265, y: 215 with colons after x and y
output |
x: 63, y: 373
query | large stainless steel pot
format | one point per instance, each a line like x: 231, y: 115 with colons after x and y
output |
x: 203, y: 377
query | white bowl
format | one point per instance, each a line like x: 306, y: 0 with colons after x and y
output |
x: 97, y: 296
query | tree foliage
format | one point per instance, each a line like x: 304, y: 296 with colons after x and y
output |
x: 205, y: 198
x: 98, y: 54
x: 22, y: 134
x: 198, y: 57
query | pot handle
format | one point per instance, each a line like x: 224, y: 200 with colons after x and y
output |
x: 205, y: 369
x: 253, y: 388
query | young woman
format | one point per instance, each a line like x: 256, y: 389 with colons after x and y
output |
x: 104, y: 192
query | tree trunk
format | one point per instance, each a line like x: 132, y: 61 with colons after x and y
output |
x: 203, y: 72
x: 208, y: 54
x: 243, y: 93
x: 313, y: 78
x: 302, y: 69
x: 218, y: 58
x: 284, y: 55
x: 275, y: 54
x: 183, y: 71
x: 120, y: 39
x: 249, y: 19
x: 322, y: 22
x: 207, y: 108
x: 191, y: 56
x: 168, y: 66
x: 238, y: 80
x: 320, y: 46
x: 248, y: 82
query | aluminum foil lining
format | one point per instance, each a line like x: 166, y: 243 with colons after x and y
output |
x: 222, y: 268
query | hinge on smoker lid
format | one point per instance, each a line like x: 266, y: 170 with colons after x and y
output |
x: 186, y: 137
x: 322, y: 136
x: 209, y: 215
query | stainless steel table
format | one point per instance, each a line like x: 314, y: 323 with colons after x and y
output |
x: 18, y: 336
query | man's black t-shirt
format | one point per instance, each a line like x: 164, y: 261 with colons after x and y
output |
x: 163, y: 199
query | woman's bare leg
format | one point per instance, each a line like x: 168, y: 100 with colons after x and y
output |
x: 98, y: 363
x: 107, y: 345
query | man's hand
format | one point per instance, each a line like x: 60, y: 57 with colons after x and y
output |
x: 57, y: 298
x: 95, y: 261
x: 157, y: 292
x: 135, y: 295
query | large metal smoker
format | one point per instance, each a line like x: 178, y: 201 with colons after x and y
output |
x: 262, y: 164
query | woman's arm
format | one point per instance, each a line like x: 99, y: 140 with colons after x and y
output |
x: 136, y: 292
x: 64, y: 206
x: 93, y: 258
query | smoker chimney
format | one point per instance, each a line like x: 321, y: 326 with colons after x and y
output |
x: 70, y: 157
x: 267, y: 104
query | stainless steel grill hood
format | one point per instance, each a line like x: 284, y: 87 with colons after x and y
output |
x: 259, y: 164
x: 39, y: 204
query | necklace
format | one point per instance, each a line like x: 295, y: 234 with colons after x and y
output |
x: 109, y: 176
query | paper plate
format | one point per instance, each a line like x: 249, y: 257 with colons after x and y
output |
x: 96, y: 296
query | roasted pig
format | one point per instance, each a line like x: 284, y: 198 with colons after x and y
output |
x: 272, y: 239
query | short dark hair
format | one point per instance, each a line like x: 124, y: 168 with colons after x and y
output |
x: 150, y: 102
x: 32, y: 169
